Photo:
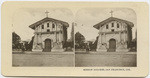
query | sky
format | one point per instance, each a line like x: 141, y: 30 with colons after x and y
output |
x: 24, y: 17
x: 86, y: 18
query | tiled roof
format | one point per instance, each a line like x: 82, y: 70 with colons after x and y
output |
x: 97, y: 26
x: 45, y: 20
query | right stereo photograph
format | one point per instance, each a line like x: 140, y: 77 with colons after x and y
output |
x: 105, y: 37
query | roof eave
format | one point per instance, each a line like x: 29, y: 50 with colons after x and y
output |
x: 96, y: 26
x: 31, y: 26
x: 47, y: 19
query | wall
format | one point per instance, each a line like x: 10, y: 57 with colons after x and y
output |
x: 58, y: 26
x: 121, y: 26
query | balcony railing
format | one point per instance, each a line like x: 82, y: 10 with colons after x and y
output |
x: 49, y: 32
x: 109, y: 32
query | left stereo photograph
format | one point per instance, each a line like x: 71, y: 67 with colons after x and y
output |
x: 43, y: 37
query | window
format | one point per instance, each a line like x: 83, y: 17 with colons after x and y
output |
x: 42, y: 26
x: 112, y: 24
x: 106, y: 26
x: 47, y: 24
x: 112, y: 30
x: 53, y: 26
x: 117, y: 25
x: 48, y: 30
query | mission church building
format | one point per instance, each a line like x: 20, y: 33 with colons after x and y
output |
x: 114, y: 35
x: 49, y: 34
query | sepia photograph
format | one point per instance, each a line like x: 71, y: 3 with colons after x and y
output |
x: 46, y: 39
x: 105, y: 37
x: 76, y: 39
x: 42, y: 37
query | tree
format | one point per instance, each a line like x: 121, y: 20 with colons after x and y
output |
x: 15, y: 41
x: 79, y: 40
x: 30, y: 45
x: 94, y: 46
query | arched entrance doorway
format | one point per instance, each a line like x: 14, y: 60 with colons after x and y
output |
x: 47, y: 47
x: 112, y: 45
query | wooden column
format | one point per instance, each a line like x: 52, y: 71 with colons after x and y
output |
x: 120, y: 36
x: 105, y: 37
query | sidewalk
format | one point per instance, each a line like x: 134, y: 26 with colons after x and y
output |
x: 95, y: 52
x: 42, y: 53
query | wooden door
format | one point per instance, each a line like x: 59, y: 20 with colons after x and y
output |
x: 47, y: 45
x: 112, y: 45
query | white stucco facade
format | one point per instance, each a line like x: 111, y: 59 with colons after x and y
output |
x: 52, y: 30
x: 113, y: 35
